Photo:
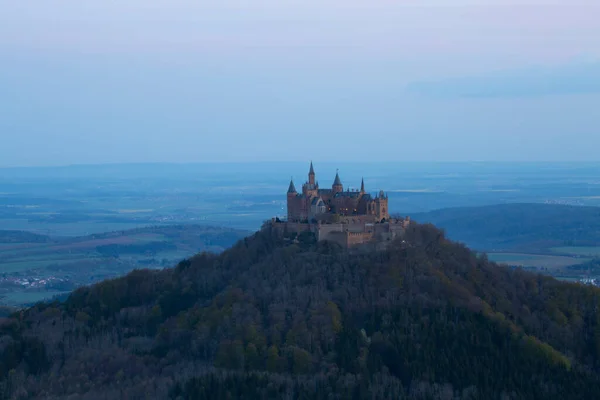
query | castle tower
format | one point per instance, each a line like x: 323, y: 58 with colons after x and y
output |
x: 381, y: 206
x: 292, y: 200
x: 311, y: 175
x: 362, y: 186
x: 292, y: 187
x: 337, y: 184
x: 310, y: 189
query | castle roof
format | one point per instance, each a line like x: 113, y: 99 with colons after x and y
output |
x: 312, y: 170
x: 317, y: 201
x: 337, y: 181
x: 347, y: 194
x: 362, y: 185
x: 292, y: 188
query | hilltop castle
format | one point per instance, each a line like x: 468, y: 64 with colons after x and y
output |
x: 315, y: 204
x: 347, y: 217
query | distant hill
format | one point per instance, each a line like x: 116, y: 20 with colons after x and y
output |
x: 519, y: 227
x: 35, y: 267
x: 424, y: 319
x: 7, y: 236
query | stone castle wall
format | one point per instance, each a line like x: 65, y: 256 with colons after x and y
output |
x: 326, y: 232
x: 346, y: 234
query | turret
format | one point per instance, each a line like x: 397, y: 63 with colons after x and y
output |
x: 292, y: 202
x: 292, y: 188
x: 381, y: 206
x: 311, y: 175
x: 362, y: 185
x: 337, y: 186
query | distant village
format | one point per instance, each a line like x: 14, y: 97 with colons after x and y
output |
x: 42, y: 283
x: 590, y: 281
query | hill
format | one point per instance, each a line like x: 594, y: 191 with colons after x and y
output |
x: 518, y: 227
x: 12, y: 236
x: 426, y: 318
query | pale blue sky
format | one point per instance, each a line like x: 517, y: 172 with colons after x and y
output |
x: 100, y: 81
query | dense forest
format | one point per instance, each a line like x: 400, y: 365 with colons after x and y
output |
x: 518, y: 227
x: 426, y: 318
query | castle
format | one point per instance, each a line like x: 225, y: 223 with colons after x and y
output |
x: 315, y: 204
x: 348, y: 217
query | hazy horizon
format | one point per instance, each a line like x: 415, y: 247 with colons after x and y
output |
x: 302, y: 164
x: 231, y: 81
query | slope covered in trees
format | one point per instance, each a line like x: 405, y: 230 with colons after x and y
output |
x: 424, y: 319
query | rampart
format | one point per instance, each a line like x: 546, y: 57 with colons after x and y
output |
x: 348, y: 233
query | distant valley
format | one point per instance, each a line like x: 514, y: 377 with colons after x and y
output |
x: 559, y: 240
x: 35, y: 267
x: 539, y: 216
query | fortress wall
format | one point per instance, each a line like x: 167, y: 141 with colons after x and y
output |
x: 325, y: 231
x: 381, y: 228
x: 339, y: 237
x: 335, y: 233
x: 398, y: 228
x: 355, y: 238
x: 356, y: 227
x: 359, y: 219
x: 291, y: 227
x: 347, y: 234
x: 297, y: 227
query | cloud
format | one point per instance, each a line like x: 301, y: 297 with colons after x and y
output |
x: 534, y: 82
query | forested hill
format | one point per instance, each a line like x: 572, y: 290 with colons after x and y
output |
x: 526, y: 227
x: 425, y: 319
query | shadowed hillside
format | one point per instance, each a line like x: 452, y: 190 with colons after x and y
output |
x: 423, y: 319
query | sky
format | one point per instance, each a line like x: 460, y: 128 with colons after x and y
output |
x: 127, y: 81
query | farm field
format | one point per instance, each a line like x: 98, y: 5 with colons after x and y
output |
x: 536, y: 260
x: 31, y: 272
x: 585, y: 251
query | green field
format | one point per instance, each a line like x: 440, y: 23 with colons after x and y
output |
x: 27, y: 265
x: 18, y: 257
x: 56, y: 264
x: 536, y: 260
x: 591, y: 251
x: 71, y: 229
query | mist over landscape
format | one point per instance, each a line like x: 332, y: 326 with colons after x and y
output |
x: 96, y: 198
x: 159, y: 214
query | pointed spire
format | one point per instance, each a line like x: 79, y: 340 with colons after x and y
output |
x: 337, y: 181
x: 311, y: 175
x: 292, y: 188
x: 362, y: 185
